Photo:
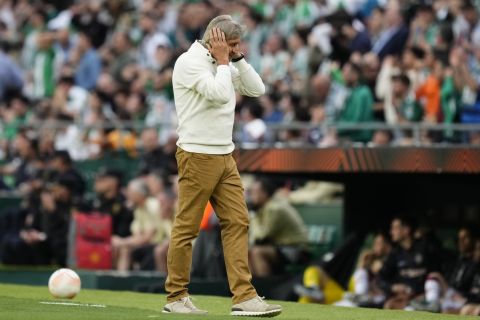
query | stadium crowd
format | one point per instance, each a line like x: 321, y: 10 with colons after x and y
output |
x: 79, y: 79
x: 86, y: 71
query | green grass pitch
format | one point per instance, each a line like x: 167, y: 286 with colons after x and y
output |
x: 24, y: 303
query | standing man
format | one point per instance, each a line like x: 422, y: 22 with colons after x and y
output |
x: 204, y: 84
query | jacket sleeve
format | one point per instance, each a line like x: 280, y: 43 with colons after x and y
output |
x: 196, y: 76
x: 387, y: 274
x: 246, y: 80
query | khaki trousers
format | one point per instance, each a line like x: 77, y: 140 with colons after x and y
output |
x: 204, y: 177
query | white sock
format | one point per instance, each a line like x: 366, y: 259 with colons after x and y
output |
x: 360, y: 278
x: 432, y: 290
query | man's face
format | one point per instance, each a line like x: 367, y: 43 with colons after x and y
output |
x: 234, y: 45
x: 134, y: 197
x: 258, y: 196
x: 470, y: 15
x: 408, y: 59
x: 22, y: 146
x: 380, y: 245
x: 58, y: 164
x: 349, y: 74
x: 60, y: 193
x: 19, y: 107
x: 399, y: 88
x: 120, y: 43
x: 465, y: 241
x: 398, y: 231
x: 476, y: 251
x: 149, y: 139
x: 146, y: 22
x: 106, y: 185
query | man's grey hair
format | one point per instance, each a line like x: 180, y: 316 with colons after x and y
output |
x: 231, y: 28
x: 139, y: 186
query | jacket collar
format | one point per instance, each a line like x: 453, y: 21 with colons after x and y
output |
x: 198, y: 49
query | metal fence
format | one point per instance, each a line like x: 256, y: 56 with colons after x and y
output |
x: 445, y: 134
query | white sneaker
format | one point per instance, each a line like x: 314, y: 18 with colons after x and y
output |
x: 184, y: 306
x: 256, y: 307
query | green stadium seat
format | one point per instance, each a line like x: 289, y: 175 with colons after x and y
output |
x: 9, y: 201
x: 325, y: 229
x: 115, y: 160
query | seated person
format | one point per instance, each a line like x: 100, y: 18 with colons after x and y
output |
x: 318, y: 287
x: 449, y: 293
x: 143, y: 228
x: 62, y: 164
x: 472, y: 307
x: 42, y: 239
x: 154, y: 256
x: 278, y: 235
x: 406, y: 268
x: 110, y: 200
x: 364, y: 282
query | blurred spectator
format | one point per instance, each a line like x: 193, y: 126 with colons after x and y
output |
x: 449, y: 293
x: 69, y: 99
x: 157, y: 182
x: 89, y: 64
x: 36, y: 24
x: 121, y: 53
x: 69, y: 137
x: 16, y: 114
x: 392, y: 39
x: 154, y: 256
x: 466, y: 76
x: 43, y: 70
x: 110, y: 200
x: 275, y: 60
x: 278, y: 236
x: 428, y: 93
x: 271, y: 114
x: 423, y: 29
x: 473, y: 306
x: 254, y: 128
x: 319, y: 287
x: 91, y: 18
x: 61, y: 164
x: 365, y: 278
x: 11, y: 78
x: 155, y: 156
x: 22, y: 166
x: 400, y: 105
x: 406, y: 267
x: 151, y: 38
x: 144, y: 227
x: 358, y: 105
x: 256, y: 33
x: 298, y: 69
x: 42, y: 239
x: 65, y: 41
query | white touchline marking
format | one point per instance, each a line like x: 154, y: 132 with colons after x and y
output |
x: 74, y: 304
x: 153, y: 316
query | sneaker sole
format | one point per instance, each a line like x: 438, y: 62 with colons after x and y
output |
x: 190, y: 313
x: 266, y: 314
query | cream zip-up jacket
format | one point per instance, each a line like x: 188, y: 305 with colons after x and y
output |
x: 205, y: 100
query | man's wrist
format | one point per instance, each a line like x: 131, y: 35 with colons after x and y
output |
x: 222, y: 62
x: 240, y: 57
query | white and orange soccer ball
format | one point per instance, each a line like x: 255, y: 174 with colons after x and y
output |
x: 64, y: 284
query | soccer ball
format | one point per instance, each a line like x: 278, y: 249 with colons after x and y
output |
x: 64, y: 283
